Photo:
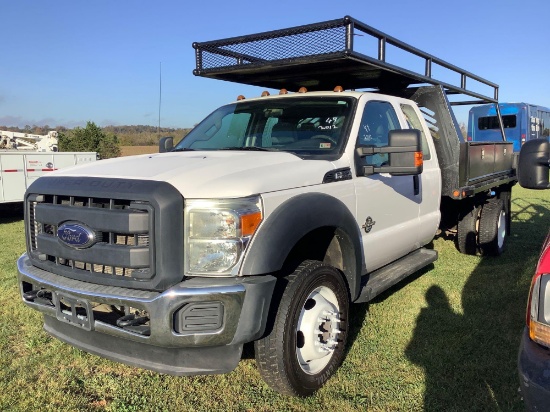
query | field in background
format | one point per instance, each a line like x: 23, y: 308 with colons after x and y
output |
x: 137, y: 150
x: 445, y: 339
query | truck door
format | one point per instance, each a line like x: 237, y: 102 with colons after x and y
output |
x: 429, y: 181
x: 387, y: 206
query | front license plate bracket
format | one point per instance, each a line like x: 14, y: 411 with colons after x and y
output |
x: 75, y: 311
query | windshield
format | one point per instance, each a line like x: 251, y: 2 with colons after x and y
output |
x: 305, y: 126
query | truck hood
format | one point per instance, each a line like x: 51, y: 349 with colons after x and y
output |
x: 208, y: 174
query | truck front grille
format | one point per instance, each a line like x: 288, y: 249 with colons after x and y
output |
x: 47, y: 213
x: 114, y: 232
x: 95, y: 268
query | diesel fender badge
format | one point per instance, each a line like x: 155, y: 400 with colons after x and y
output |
x: 76, y: 235
x: 369, y: 223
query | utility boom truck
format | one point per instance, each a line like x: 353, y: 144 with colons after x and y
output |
x: 272, y: 216
x: 24, y: 157
x: 27, y: 141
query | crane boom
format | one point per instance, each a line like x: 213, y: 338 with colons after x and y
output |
x: 27, y: 141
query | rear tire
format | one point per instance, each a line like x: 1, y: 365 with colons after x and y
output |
x: 493, y: 227
x: 306, y: 343
x: 506, y: 197
x: 467, y: 230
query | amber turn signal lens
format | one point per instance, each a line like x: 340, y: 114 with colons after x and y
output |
x: 539, y: 332
x: 418, y: 159
x: 249, y: 223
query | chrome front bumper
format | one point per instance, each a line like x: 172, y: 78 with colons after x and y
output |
x: 241, y: 308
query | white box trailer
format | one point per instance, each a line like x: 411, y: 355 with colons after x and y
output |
x: 19, y: 169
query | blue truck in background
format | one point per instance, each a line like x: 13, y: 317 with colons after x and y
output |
x: 522, y: 122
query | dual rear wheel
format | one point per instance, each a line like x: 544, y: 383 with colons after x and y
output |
x: 484, y: 228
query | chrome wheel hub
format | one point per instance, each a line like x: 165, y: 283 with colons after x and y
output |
x: 317, y: 330
x: 501, y: 229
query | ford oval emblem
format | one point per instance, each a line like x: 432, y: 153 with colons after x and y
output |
x: 76, y: 235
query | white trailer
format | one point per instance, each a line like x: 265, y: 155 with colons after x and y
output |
x: 18, y: 169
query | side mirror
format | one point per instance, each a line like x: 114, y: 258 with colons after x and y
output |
x: 405, y: 154
x: 534, y: 164
x: 166, y: 144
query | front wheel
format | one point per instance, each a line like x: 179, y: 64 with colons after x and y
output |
x: 306, y: 343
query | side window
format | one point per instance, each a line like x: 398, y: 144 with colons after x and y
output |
x: 414, y: 123
x: 377, y: 121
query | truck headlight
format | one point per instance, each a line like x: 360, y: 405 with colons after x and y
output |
x: 217, y: 233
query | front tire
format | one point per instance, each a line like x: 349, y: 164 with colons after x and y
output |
x: 310, y: 327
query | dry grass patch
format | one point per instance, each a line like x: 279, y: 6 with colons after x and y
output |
x: 138, y: 150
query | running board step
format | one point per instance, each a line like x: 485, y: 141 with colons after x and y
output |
x: 378, y: 281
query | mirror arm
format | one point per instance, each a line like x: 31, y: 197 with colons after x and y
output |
x: 363, y: 151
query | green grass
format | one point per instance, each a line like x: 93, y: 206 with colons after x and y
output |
x: 445, y: 339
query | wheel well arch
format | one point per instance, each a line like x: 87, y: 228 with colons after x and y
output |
x: 309, y: 226
x: 330, y: 245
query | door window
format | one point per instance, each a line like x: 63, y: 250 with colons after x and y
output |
x: 414, y: 123
x: 377, y: 121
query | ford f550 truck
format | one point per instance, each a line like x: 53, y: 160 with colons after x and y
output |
x: 272, y: 216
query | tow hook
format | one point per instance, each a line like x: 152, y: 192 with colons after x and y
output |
x: 40, y: 296
x: 134, y: 324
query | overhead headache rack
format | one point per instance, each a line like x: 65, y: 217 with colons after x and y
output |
x: 318, y: 55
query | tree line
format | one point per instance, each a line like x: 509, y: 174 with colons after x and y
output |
x: 106, y: 141
x: 142, y: 135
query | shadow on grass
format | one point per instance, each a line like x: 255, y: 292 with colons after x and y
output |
x: 470, y: 359
x: 359, y: 311
x: 11, y: 212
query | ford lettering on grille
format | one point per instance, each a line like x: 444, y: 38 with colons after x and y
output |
x: 76, y: 235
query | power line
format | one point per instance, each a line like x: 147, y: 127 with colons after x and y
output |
x: 160, y: 94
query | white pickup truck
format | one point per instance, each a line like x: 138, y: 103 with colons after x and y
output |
x: 271, y: 217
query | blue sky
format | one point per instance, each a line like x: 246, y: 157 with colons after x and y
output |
x: 68, y: 62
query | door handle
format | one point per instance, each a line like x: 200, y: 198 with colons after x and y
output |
x: 416, y: 184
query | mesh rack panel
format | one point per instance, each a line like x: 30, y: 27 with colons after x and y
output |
x: 286, y: 44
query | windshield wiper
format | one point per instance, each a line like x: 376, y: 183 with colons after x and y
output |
x: 182, y: 149
x: 248, y: 148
